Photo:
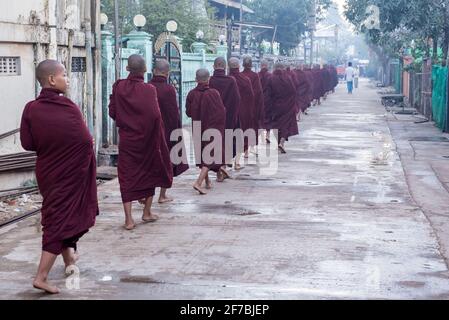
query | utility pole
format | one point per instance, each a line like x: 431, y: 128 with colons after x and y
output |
x: 312, y: 26
x: 117, y: 41
x: 240, y: 27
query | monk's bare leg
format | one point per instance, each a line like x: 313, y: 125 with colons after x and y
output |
x: 40, y: 282
x: 208, y: 182
x: 163, y: 198
x: 237, y: 165
x: 148, y: 216
x: 129, y: 221
x: 203, y: 174
x: 70, y: 257
x: 267, y: 138
x: 281, y: 145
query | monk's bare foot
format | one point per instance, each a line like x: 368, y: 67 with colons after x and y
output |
x: 149, y: 218
x: 224, y: 174
x: 281, y: 148
x: 200, y: 191
x: 238, y: 167
x: 71, y: 259
x: 220, y: 177
x: 130, y: 225
x: 208, y: 185
x: 163, y: 200
x: 45, y: 286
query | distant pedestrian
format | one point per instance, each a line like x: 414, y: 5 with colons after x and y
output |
x: 349, y: 77
x: 356, y: 78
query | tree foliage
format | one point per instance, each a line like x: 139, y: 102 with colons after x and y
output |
x: 290, y: 16
x: 158, y: 12
x: 404, y: 25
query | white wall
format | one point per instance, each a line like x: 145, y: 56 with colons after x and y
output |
x: 15, y: 92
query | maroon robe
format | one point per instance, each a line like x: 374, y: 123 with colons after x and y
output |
x: 258, y: 98
x: 247, y: 110
x: 204, y: 104
x: 265, y: 77
x: 303, y: 90
x: 295, y: 81
x: 317, y: 84
x: 230, y: 95
x: 144, y: 160
x: 309, y: 77
x: 281, y: 104
x: 54, y: 128
x: 171, y: 117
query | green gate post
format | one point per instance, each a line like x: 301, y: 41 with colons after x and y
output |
x: 142, y: 41
x: 108, y: 79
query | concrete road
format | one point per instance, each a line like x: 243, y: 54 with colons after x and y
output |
x: 337, y: 221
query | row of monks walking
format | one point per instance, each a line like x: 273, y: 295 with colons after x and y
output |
x: 147, y: 115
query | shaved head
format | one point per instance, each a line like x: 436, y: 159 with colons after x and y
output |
x: 137, y: 64
x: 220, y: 63
x: 264, y: 64
x: 202, y: 76
x: 279, y: 65
x: 234, y: 63
x: 46, y: 69
x: 161, y: 67
x: 247, y: 62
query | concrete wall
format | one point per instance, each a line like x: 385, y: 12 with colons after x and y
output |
x: 35, y: 30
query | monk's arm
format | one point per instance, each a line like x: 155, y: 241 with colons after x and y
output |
x: 189, y: 106
x: 112, y: 109
x: 26, y: 138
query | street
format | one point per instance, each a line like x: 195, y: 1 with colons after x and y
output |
x: 343, y: 218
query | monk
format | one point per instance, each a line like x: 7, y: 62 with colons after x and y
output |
x: 230, y: 95
x: 317, y: 85
x: 259, y: 116
x: 171, y: 117
x: 265, y: 76
x: 144, y: 161
x: 281, y: 105
x: 54, y: 128
x: 303, y: 88
x: 290, y: 71
x: 247, y: 109
x: 309, y: 77
x: 204, y: 105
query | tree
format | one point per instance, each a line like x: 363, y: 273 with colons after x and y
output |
x: 158, y: 12
x: 289, y: 16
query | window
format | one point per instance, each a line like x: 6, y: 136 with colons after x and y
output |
x: 9, y: 66
x: 78, y: 64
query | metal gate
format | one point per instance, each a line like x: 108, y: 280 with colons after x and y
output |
x: 167, y: 47
x: 426, y: 87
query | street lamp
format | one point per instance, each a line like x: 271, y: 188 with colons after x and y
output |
x: 172, y: 26
x: 140, y: 21
x: 103, y: 20
x: 222, y: 39
x: 200, y: 35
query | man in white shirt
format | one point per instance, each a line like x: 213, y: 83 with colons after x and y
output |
x: 349, y: 77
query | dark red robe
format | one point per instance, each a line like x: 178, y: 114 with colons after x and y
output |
x: 303, y: 90
x: 230, y: 95
x: 54, y: 128
x: 144, y: 160
x: 292, y: 75
x: 247, y: 110
x: 309, y: 77
x: 258, y: 98
x: 265, y: 77
x: 204, y: 104
x: 317, y: 84
x: 281, y: 104
x: 171, y: 117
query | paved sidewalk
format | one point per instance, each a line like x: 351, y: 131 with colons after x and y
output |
x: 336, y: 222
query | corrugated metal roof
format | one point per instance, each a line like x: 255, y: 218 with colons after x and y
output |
x: 233, y: 4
